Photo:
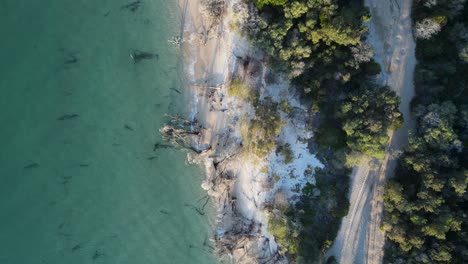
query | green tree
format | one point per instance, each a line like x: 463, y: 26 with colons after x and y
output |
x: 261, y: 3
x: 368, y: 112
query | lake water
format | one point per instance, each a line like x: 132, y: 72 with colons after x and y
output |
x: 80, y: 181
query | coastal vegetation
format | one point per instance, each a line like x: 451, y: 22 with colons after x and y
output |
x: 320, y: 45
x: 367, y: 113
x: 242, y: 90
x: 287, y: 153
x: 285, y: 232
x: 426, y: 203
x: 212, y: 9
x: 260, y: 132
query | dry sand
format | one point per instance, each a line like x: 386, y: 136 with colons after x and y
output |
x: 235, y: 185
x: 360, y: 239
x: 243, y: 194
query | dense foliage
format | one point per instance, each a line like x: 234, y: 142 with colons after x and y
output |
x: 261, y: 3
x: 320, y: 45
x: 312, y: 35
x: 426, y: 204
x: 260, y: 131
x: 363, y: 123
x: 285, y: 232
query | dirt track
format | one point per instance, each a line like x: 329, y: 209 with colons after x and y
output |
x: 360, y: 239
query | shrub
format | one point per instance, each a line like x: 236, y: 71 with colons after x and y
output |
x: 287, y: 153
x: 332, y: 260
x: 276, y: 177
x: 241, y: 90
x: 285, y: 107
x: 284, y: 232
x: 372, y: 68
x: 261, y: 131
x: 261, y: 3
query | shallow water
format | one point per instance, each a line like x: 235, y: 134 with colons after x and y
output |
x: 80, y: 182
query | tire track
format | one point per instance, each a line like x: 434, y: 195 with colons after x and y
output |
x: 360, y: 239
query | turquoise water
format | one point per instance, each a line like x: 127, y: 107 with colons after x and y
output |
x: 80, y: 182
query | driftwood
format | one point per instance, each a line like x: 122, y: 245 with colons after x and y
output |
x: 72, y: 59
x: 79, y: 246
x: 176, y: 41
x: 175, y: 90
x: 133, y: 6
x: 212, y: 9
x: 97, y: 254
x: 185, y: 134
x: 237, y: 237
x: 242, y: 239
x: 67, y: 117
x: 164, y: 212
x: 161, y: 146
x: 31, y: 166
x: 138, y: 56
x: 198, y: 210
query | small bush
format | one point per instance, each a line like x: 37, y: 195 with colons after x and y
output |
x: 372, y: 68
x: 285, y: 107
x: 284, y: 232
x: 261, y: 3
x: 241, y: 90
x: 366, y: 15
x: 397, y: 123
x: 276, y: 177
x: 278, y: 227
x: 287, y: 153
x: 332, y: 260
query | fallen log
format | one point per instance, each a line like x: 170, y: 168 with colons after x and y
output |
x: 138, y: 56
x: 184, y: 133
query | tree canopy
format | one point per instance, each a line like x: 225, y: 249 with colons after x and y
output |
x: 426, y: 203
x: 320, y: 45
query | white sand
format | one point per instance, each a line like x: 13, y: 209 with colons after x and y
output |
x: 214, y: 61
x: 295, y: 133
x: 360, y: 239
x: 210, y: 67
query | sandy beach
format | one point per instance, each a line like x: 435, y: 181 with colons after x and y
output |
x: 241, y: 185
